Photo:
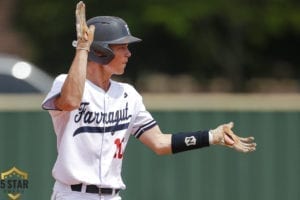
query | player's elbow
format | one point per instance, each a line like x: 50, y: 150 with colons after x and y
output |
x: 68, y: 104
x: 70, y: 107
x: 162, y: 144
x: 160, y: 152
x: 161, y: 149
x: 158, y: 142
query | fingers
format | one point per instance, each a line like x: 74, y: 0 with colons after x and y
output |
x: 81, y: 26
x: 242, y: 148
x: 241, y: 144
x: 248, y: 141
x: 85, y: 34
x: 248, y: 144
x: 227, y: 128
x: 223, y: 135
x: 228, y: 140
x: 245, y: 150
x: 245, y: 145
x: 229, y: 136
x: 230, y: 125
x: 79, y: 8
x: 91, y: 33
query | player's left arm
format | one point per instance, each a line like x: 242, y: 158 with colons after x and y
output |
x: 163, y: 143
x: 157, y: 141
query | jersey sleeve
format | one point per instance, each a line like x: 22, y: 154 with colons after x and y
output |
x: 48, y: 103
x: 144, y: 120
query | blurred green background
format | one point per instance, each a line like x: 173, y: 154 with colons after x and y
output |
x: 216, y: 45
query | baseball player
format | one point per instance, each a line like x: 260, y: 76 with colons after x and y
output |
x: 94, y: 116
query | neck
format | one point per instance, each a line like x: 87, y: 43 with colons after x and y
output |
x: 97, y: 75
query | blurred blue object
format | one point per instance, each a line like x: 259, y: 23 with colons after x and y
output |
x: 20, y: 76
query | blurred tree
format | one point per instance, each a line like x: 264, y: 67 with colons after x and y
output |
x: 206, y: 39
x: 12, y: 42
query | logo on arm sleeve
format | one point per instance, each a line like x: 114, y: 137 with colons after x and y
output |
x: 189, y: 141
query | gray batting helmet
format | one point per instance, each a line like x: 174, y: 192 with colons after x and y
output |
x: 108, y: 30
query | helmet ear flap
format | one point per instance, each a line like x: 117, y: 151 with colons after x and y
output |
x: 100, y: 53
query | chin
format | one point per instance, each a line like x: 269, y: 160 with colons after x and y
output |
x: 119, y: 72
x: 122, y: 70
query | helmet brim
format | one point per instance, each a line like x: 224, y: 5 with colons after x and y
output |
x: 126, y: 40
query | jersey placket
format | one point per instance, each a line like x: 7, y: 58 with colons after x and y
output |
x: 105, y: 109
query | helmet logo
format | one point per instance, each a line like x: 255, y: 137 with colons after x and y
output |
x: 127, y: 29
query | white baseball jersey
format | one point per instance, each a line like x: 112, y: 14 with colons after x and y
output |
x: 91, y: 140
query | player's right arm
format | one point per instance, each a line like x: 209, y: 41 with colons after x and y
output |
x: 73, y: 87
x: 72, y: 90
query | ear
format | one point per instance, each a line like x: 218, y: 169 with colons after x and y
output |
x: 100, y: 53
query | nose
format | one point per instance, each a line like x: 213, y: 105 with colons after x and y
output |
x: 128, y: 53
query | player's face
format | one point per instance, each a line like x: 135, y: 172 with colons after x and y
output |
x: 122, y: 54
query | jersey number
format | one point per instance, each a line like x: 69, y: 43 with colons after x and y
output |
x: 119, y: 153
